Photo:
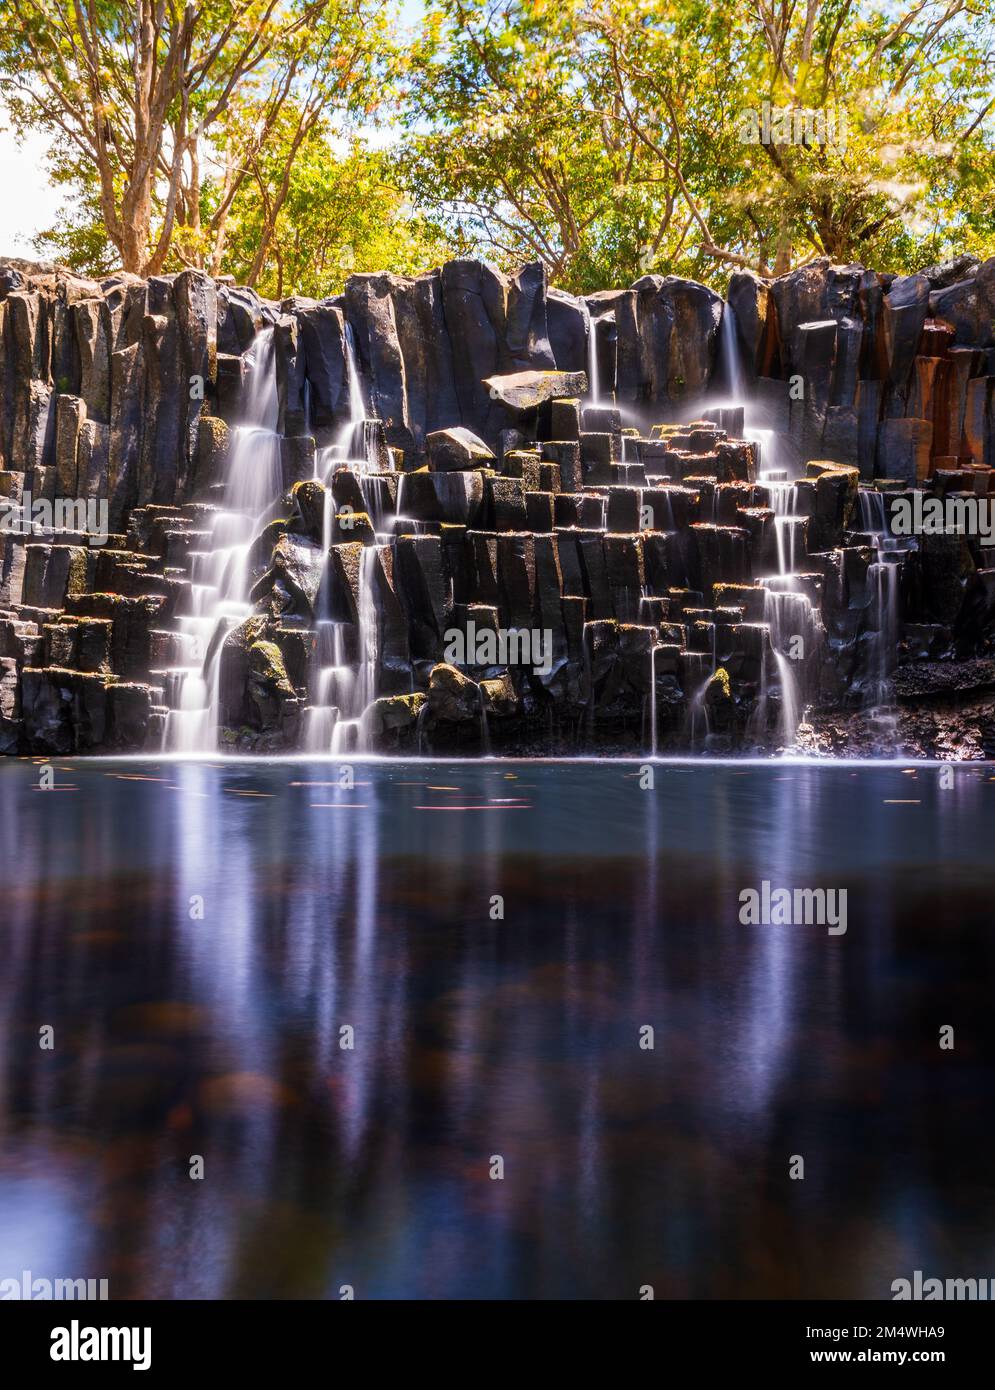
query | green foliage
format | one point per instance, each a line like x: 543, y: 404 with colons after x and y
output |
x: 343, y: 214
x: 143, y: 101
x: 606, y: 136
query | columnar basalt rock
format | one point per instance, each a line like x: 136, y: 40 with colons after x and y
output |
x: 626, y: 572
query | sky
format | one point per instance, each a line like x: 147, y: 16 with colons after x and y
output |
x: 29, y: 204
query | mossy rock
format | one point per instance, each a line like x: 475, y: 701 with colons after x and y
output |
x: 392, y: 713
x: 453, y: 697
x: 266, y: 663
x: 719, y: 687
x: 354, y: 526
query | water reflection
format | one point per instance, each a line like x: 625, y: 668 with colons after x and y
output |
x: 199, y: 936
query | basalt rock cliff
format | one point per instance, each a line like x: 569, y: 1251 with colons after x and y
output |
x: 305, y: 501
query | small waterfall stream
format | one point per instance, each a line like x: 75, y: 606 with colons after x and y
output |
x: 593, y: 383
x: 220, y: 576
x: 335, y: 718
x: 791, y: 622
x: 348, y: 733
x: 883, y: 579
x: 730, y: 367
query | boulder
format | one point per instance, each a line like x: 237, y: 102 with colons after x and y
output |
x: 524, y: 392
x: 293, y: 580
x: 968, y: 305
x: 453, y: 698
x: 391, y: 720
x: 310, y: 499
x: 268, y: 686
x: 457, y: 448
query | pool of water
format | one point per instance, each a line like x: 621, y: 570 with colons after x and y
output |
x: 202, y: 937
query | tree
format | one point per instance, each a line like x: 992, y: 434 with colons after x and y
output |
x: 340, y: 211
x: 137, y: 97
x: 611, y: 137
x: 877, y: 124
x: 518, y: 139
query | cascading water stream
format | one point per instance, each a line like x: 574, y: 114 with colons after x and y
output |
x: 787, y: 523
x: 349, y: 734
x: 883, y: 580
x: 788, y: 613
x: 593, y: 383
x: 730, y: 371
x: 335, y: 718
x: 653, y: 729
x: 220, y: 576
x: 872, y: 513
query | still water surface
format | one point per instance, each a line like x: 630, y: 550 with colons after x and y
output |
x: 216, y: 1032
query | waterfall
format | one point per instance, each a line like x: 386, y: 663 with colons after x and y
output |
x: 349, y: 734
x: 340, y: 696
x: 883, y: 578
x: 593, y: 384
x: 731, y: 387
x: 872, y: 512
x: 357, y: 407
x: 784, y: 501
x: 485, y: 735
x: 730, y: 371
x: 653, y: 733
x: 220, y: 577
x: 359, y: 441
x: 788, y: 614
x: 698, y: 724
x: 331, y: 690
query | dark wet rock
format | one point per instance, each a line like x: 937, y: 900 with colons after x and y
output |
x: 293, y: 581
x: 348, y: 525
x: 419, y: 575
x: 568, y: 327
x: 756, y: 323
x: 297, y: 455
x: 479, y: 492
x: 835, y: 502
x: 457, y: 448
x: 931, y: 680
x: 456, y: 497
x: 268, y: 686
x: 906, y: 308
x: 309, y: 502
x: 344, y: 561
x: 474, y: 300
x: 453, y: 697
x: 667, y: 336
x: 969, y: 306
x: 500, y: 699
x: 323, y: 345
x: 393, y: 721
